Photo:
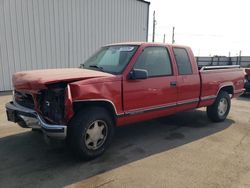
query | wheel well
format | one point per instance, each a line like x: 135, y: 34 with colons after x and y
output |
x: 77, y: 106
x: 228, y: 89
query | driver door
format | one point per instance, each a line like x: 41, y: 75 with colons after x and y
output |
x: 158, y: 91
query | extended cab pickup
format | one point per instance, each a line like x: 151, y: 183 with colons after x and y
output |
x: 120, y: 84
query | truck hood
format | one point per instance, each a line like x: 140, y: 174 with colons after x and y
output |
x: 39, y: 79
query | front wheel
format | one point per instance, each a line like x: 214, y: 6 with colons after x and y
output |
x: 91, y: 132
x: 219, y: 110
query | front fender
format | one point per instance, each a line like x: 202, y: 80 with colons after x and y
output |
x: 104, y: 91
x: 68, y: 111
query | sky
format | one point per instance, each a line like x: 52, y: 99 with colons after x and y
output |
x: 209, y: 27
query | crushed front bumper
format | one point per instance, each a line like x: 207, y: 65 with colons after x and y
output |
x: 31, y: 119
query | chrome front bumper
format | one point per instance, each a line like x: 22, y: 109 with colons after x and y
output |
x: 32, y: 119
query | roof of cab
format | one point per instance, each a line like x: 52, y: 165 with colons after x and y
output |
x: 148, y: 44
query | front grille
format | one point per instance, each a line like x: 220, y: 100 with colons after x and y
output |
x: 51, y: 104
x: 24, y: 99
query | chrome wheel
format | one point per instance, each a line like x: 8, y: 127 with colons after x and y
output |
x: 96, y: 135
x: 222, y: 107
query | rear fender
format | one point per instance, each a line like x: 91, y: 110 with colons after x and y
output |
x: 228, y: 87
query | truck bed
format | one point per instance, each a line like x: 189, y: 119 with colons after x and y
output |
x: 210, y: 86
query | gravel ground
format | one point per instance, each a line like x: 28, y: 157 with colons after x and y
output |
x: 183, y: 150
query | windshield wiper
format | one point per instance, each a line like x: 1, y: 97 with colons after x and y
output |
x: 97, y: 67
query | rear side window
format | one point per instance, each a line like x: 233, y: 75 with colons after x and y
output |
x: 183, y: 62
x: 155, y: 60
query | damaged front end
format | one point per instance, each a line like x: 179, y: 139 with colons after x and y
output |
x: 44, y: 109
x: 44, y: 98
x: 51, y: 103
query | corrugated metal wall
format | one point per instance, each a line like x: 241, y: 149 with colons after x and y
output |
x: 38, y: 34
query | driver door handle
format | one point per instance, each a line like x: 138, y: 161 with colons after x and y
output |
x: 173, y: 83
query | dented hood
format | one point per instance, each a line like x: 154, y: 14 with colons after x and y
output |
x: 38, y: 79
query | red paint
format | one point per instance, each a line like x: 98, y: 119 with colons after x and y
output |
x: 131, y: 98
x: 38, y: 79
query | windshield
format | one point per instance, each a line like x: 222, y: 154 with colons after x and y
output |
x: 111, y: 59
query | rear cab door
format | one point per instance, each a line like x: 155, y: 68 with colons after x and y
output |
x: 188, y: 79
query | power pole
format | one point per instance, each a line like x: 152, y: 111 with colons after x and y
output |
x: 154, y: 23
x: 164, y: 37
x: 229, y: 58
x: 173, y: 41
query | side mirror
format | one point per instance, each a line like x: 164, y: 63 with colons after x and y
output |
x: 138, y: 74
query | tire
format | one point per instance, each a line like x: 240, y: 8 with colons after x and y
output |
x: 91, y: 132
x: 219, y: 110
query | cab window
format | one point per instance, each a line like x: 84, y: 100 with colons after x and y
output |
x: 155, y: 60
x: 183, y: 62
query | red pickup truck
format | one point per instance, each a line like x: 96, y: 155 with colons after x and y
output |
x: 120, y: 84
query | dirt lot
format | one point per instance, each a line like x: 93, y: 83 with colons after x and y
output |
x: 184, y: 150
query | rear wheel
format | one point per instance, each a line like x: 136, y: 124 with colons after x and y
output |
x: 91, y: 132
x: 219, y: 110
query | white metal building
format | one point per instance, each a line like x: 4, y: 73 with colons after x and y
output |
x: 38, y: 34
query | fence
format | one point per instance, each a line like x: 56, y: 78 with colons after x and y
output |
x: 243, y: 61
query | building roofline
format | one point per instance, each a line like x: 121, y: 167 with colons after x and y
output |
x: 144, y: 1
